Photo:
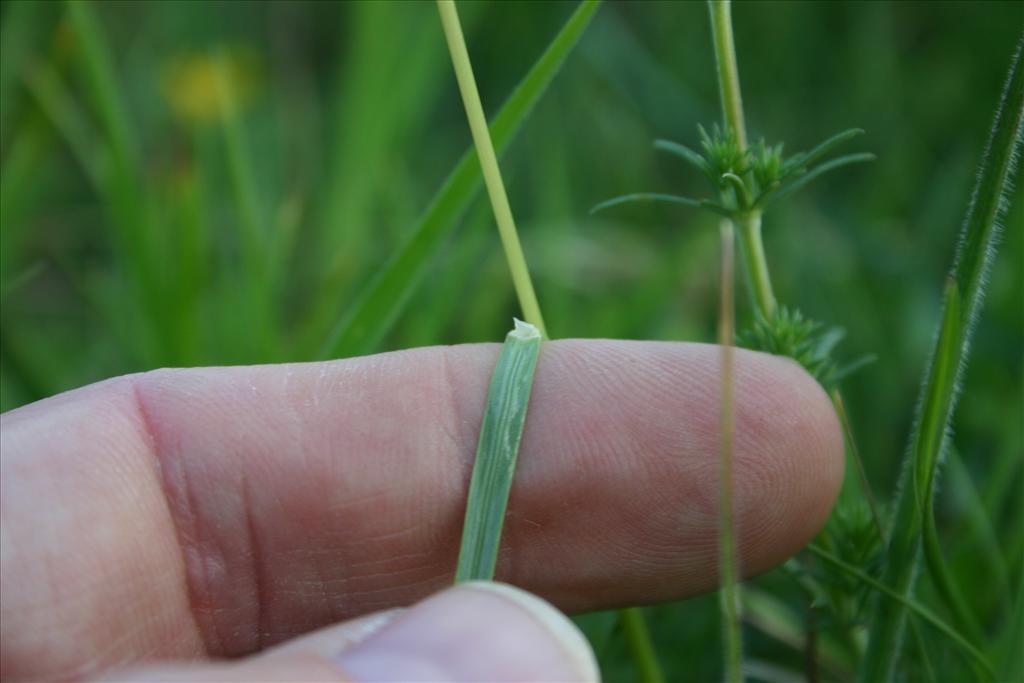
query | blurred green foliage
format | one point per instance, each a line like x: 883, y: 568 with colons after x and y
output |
x: 227, y: 197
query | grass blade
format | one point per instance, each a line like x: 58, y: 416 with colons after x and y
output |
x: 496, y: 453
x: 938, y: 397
x: 57, y: 104
x: 254, y: 297
x: 125, y: 195
x: 363, y: 326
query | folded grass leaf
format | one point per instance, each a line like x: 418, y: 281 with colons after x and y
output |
x: 496, y: 454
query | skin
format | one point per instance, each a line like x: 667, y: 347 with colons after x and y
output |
x: 215, y: 512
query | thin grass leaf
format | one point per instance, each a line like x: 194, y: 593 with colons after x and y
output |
x: 254, y: 298
x: 57, y: 104
x: 980, y: 524
x: 370, y: 120
x: 943, y: 578
x: 964, y: 291
x: 925, y: 658
x: 363, y: 325
x: 907, y: 603
x: 1012, y: 664
x: 496, y: 453
x: 800, y: 181
x: 125, y: 195
x: 688, y: 155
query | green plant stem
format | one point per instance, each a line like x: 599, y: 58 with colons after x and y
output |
x: 728, y: 562
x: 748, y: 225
x: 728, y: 73
x: 755, y: 263
x: 489, y: 165
x: 638, y: 639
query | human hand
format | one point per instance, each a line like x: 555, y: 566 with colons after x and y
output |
x: 217, y: 513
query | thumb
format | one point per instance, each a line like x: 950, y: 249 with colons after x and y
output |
x: 477, y: 631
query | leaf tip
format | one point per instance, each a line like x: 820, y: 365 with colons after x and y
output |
x: 524, y: 330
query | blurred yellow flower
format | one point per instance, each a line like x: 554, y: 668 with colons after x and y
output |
x: 203, y: 87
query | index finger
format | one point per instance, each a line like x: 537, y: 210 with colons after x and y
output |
x: 222, y: 510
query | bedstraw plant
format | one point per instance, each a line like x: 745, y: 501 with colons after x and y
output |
x: 748, y: 180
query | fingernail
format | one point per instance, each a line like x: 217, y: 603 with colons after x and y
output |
x: 479, y: 631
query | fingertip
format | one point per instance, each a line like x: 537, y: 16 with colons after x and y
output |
x: 792, y: 453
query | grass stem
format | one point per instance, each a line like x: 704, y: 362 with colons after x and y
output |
x: 489, y: 165
x: 638, y: 639
x: 728, y: 561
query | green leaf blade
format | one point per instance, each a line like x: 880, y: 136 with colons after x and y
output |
x: 497, y: 452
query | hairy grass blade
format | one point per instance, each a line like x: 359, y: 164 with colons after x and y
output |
x: 497, y: 450
x: 366, y: 322
x: 938, y: 395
